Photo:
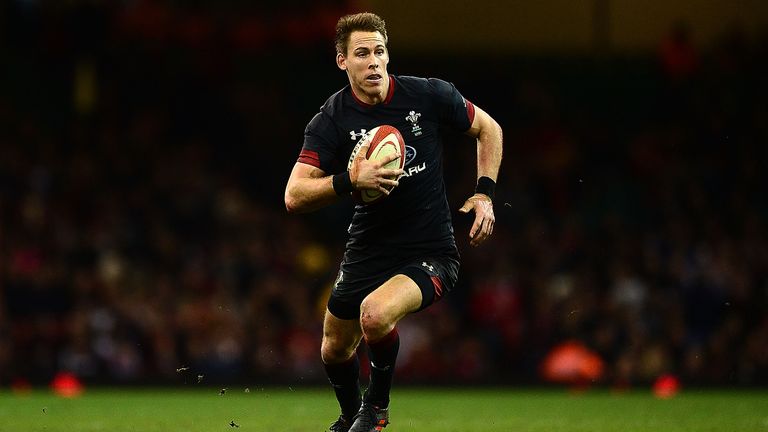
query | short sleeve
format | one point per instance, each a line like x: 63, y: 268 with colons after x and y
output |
x: 453, y: 109
x: 320, y: 144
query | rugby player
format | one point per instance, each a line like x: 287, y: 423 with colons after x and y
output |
x: 401, y: 255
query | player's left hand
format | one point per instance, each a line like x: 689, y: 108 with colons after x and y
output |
x: 484, y: 217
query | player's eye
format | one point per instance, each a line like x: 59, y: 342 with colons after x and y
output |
x: 379, y: 52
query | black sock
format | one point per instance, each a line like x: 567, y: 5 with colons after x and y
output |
x: 383, y: 353
x: 344, y: 378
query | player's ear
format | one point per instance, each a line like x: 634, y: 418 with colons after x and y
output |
x: 341, y: 61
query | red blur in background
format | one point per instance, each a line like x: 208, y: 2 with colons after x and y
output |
x: 67, y: 385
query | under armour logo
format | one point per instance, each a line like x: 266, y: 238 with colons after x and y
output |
x: 429, y: 266
x: 357, y: 135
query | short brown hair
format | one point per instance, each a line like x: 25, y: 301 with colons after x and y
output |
x: 365, y: 21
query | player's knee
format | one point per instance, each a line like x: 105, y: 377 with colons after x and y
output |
x: 374, y: 321
x: 333, y: 352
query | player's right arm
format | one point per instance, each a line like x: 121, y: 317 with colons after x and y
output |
x: 309, y: 188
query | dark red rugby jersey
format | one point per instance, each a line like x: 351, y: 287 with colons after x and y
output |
x: 415, y: 216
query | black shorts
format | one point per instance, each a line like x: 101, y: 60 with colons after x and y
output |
x: 435, y: 277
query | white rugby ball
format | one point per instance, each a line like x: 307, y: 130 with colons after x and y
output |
x: 384, y: 140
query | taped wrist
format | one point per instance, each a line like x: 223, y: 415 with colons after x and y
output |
x: 486, y: 186
x: 342, y: 184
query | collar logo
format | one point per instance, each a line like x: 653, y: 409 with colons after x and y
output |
x: 413, y: 117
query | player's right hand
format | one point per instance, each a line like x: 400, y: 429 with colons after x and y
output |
x: 366, y: 174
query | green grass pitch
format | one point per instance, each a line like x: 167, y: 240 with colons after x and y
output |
x: 312, y: 410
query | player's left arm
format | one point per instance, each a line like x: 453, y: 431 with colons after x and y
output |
x: 489, y: 151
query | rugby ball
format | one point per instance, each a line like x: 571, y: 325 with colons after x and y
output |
x: 383, y: 141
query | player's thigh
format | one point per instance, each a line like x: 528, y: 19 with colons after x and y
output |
x: 389, y: 303
x: 340, y: 338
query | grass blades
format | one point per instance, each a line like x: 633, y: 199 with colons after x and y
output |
x: 459, y: 410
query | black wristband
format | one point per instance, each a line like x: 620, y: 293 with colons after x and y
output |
x: 486, y: 186
x: 342, y: 184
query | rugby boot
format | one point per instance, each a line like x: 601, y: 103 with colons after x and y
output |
x: 340, y: 425
x: 370, y: 418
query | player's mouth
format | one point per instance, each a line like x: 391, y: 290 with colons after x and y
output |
x: 373, y: 78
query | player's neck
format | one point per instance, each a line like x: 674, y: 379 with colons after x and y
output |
x: 372, y: 98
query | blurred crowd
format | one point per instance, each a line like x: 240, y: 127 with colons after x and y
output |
x: 144, y: 148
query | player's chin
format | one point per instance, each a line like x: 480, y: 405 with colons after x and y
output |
x: 373, y: 86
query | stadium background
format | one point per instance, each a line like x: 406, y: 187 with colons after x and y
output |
x: 144, y: 148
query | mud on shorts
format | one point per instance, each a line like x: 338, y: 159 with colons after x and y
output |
x: 435, y: 277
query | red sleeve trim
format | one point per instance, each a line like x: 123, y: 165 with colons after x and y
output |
x: 470, y: 112
x: 309, y: 157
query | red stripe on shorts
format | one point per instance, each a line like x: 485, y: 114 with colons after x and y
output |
x: 438, y: 284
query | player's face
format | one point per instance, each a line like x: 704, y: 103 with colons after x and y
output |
x: 366, y: 65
